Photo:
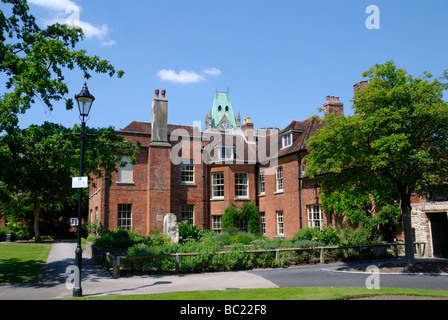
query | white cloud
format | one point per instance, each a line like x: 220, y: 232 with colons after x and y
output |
x: 68, y: 12
x: 183, y: 76
x: 212, y: 71
x: 57, y: 5
x: 186, y: 77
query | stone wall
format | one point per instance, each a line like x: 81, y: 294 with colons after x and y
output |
x: 421, y: 224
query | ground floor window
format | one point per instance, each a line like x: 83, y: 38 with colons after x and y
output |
x: 216, y: 223
x: 262, y: 223
x: 124, y: 216
x: 280, y: 223
x: 187, y: 214
x: 315, y: 216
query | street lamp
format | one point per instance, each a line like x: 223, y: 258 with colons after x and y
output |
x: 85, y: 101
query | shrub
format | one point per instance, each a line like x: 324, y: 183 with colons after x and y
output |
x: 356, y: 236
x: 243, y: 238
x: 188, y: 232
x: 231, y: 217
x: 327, y: 236
x: 119, y: 238
x: 237, y: 218
x: 156, y: 238
x: 251, y: 214
x: 223, y: 238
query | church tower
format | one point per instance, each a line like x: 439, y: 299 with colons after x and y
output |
x: 222, y: 117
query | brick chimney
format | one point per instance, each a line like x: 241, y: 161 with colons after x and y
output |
x: 159, y: 165
x: 334, y: 106
x: 248, y: 128
x: 360, y: 85
x: 159, y: 124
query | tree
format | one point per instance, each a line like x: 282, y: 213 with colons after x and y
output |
x: 395, y: 143
x: 33, y: 61
x: 39, y: 161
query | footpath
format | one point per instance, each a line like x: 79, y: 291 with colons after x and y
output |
x: 95, y: 282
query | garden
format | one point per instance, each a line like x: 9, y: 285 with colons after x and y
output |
x: 233, y: 248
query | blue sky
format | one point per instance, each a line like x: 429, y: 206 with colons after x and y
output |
x: 278, y: 58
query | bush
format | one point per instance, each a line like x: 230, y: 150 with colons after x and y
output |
x: 156, y: 238
x: 356, y: 236
x: 189, y: 232
x: 246, y: 219
x: 119, y: 238
x: 327, y: 236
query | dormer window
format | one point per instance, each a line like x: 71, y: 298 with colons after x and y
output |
x: 219, y: 108
x: 287, y: 140
x: 227, y: 108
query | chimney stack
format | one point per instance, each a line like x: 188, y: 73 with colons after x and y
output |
x: 333, y: 105
x: 248, y: 128
x: 360, y: 85
x: 159, y: 124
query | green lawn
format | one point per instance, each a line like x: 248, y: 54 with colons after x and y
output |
x: 305, y: 293
x: 22, y: 262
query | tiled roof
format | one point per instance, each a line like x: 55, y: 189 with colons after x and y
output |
x: 302, y: 130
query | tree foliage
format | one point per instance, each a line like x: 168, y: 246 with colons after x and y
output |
x: 34, y: 61
x: 395, y: 143
x: 39, y: 161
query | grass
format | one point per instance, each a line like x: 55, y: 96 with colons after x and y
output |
x: 22, y: 262
x: 303, y: 293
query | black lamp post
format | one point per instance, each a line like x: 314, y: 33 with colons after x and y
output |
x: 85, y: 101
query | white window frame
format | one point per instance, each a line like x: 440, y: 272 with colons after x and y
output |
x: 315, y: 217
x: 279, y: 179
x: 187, y: 172
x: 263, y: 223
x: 126, y: 173
x: 124, y: 216
x: 287, y: 140
x: 224, y: 153
x: 216, y: 223
x: 280, y: 223
x: 217, y: 185
x: 241, y: 185
x: 262, y: 183
x: 187, y: 213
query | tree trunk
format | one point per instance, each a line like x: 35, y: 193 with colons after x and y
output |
x: 407, y: 226
x: 36, y: 221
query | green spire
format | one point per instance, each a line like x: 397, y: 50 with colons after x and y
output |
x: 222, y: 107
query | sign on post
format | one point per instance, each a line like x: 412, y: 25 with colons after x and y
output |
x: 80, y: 182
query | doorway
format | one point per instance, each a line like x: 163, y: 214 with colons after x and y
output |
x: 439, y: 233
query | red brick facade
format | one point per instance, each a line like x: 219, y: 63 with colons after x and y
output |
x: 157, y: 189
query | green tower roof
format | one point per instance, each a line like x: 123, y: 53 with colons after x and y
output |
x: 222, y: 106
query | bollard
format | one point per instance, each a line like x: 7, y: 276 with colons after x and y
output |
x: 322, y: 255
x: 177, y: 263
x: 116, y: 267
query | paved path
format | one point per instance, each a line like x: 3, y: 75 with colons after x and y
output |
x: 96, y: 283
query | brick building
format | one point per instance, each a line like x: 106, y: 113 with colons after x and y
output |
x: 197, y: 174
x: 170, y: 175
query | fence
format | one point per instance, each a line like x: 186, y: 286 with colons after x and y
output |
x: 117, y: 259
